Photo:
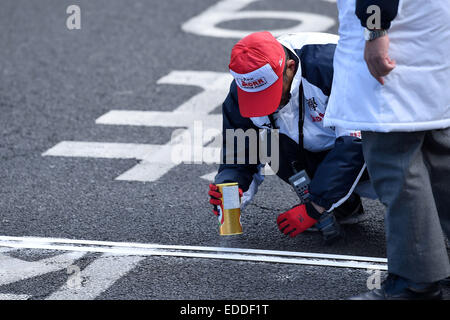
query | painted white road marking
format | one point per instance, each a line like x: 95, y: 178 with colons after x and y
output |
x: 13, y: 269
x: 97, y: 277
x: 157, y: 119
x: 102, y: 150
x: 120, y: 257
x: 206, y: 23
x: 141, y: 249
x: 209, y: 176
x: 8, y: 296
x: 156, y: 160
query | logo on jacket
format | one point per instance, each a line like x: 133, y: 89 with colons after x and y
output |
x: 312, y: 104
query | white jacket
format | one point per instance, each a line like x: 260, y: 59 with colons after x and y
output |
x: 416, y: 94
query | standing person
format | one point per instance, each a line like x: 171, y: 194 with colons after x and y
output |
x: 394, y: 83
x: 283, y: 84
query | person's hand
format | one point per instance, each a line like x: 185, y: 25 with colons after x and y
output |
x: 376, y: 55
x: 295, y: 221
x: 215, y: 196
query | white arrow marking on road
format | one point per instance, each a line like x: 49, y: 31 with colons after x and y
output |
x: 140, y: 249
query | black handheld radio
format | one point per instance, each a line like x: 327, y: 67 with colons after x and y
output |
x: 327, y: 224
x: 300, y: 182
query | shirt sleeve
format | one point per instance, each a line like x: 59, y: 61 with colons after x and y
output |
x: 342, y: 132
x: 242, y: 173
x: 338, y: 173
x: 388, y: 11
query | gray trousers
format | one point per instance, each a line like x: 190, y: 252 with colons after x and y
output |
x: 410, y: 172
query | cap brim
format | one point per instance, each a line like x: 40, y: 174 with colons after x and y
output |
x: 263, y: 103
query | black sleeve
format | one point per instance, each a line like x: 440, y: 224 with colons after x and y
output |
x: 338, y: 172
x: 242, y: 173
x: 388, y: 8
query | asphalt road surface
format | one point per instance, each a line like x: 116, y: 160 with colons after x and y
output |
x: 82, y: 158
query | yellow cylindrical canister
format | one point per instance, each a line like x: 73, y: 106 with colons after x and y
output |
x: 230, y: 209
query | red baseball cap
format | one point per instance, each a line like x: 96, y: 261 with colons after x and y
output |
x: 257, y: 64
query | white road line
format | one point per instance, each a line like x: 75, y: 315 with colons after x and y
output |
x: 142, y: 249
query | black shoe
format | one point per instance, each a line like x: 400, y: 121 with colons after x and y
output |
x: 330, y: 228
x: 351, y: 211
x: 445, y: 282
x: 398, y: 288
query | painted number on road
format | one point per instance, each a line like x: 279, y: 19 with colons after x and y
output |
x: 156, y: 160
x: 206, y: 24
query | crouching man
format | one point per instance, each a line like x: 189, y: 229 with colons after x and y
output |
x: 281, y: 87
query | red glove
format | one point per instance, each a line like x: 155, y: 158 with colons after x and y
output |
x: 215, y: 197
x: 295, y: 221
